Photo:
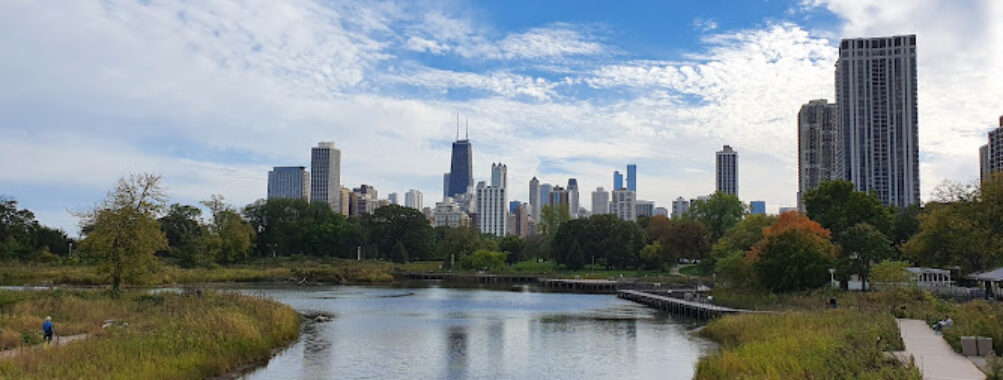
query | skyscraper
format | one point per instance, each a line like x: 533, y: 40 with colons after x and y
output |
x: 991, y: 154
x: 617, y: 180
x: 757, y: 208
x: 624, y: 204
x: 662, y: 211
x: 679, y: 207
x: 499, y: 175
x: 644, y: 208
x: 727, y: 171
x: 521, y: 227
x: 632, y: 177
x: 545, y: 199
x: 559, y: 197
x: 289, y: 182
x: 413, y: 199
x: 393, y: 198
x: 445, y: 185
x: 534, y: 198
x: 600, y: 201
x: 573, y: 202
x: 492, y: 207
x: 461, y: 172
x: 876, y: 96
x: 818, y: 145
x: 325, y: 175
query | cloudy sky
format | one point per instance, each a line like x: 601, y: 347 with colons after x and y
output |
x: 211, y: 94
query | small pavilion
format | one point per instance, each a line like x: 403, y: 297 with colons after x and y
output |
x: 930, y: 276
x: 992, y: 280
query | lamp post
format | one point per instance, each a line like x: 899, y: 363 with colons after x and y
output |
x: 832, y: 276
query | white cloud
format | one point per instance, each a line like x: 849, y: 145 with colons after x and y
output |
x: 704, y: 24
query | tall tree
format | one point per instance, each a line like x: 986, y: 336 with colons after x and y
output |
x: 719, y: 213
x: 16, y: 230
x: 184, y: 235
x: 860, y: 246
x: 795, y: 254
x: 837, y: 206
x: 551, y: 219
x: 124, y: 232
x: 230, y: 238
x: 394, y: 224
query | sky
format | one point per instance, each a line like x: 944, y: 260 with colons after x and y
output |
x: 212, y: 94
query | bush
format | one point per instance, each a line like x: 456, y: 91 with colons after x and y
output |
x: 483, y: 259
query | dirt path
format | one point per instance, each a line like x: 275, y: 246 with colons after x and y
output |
x: 56, y: 341
x: 933, y: 356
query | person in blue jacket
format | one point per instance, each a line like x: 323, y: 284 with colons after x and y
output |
x: 47, y: 330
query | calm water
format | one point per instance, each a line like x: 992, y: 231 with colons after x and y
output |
x: 444, y: 333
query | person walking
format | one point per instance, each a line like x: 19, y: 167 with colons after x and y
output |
x: 47, y: 330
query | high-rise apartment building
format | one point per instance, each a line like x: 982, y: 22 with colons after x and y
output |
x: 499, y: 175
x: 617, y: 180
x: 632, y: 177
x: 679, y: 207
x: 521, y: 226
x: 325, y: 175
x: 573, y: 202
x: 624, y: 204
x: 289, y: 182
x: 413, y: 199
x: 461, y: 172
x: 818, y: 145
x: 363, y: 200
x: 492, y: 210
x: 662, y: 211
x: 991, y: 154
x: 345, y: 200
x: 393, y: 198
x: 644, y: 208
x: 727, y: 171
x: 876, y: 96
x: 600, y: 201
x: 535, y: 198
x: 450, y: 214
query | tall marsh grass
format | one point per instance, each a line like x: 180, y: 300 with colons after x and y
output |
x: 838, y: 344
x: 169, y: 336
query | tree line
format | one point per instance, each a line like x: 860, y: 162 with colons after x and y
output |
x: 842, y: 228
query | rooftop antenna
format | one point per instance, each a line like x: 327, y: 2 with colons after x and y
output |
x: 468, y: 128
x: 457, y: 125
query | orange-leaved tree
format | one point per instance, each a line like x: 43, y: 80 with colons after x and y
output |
x: 795, y: 253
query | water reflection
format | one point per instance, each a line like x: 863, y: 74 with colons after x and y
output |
x: 430, y: 333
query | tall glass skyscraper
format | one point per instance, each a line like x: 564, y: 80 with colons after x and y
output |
x: 617, y: 180
x: 461, y: 171
x: 632, y: 177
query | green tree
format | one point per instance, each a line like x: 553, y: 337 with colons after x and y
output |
x: 16, y: 230
x: 860, y: 246
x: 735, y: 271
x: 551, y: 219
x: 293, y: 226
x: 483, y: 259
x: 740, y: 238
x: 651, y: 256
x: 614, y: 242
x: 513, y: 246
x: 719, y: 213
x: 567, y: 243
x: 837, y: 206
x: 230, y: 238
x: 184, y: 235
x: 124, y: 232
x: 890, y: 271
x: 394, y: 224
x: 687, y: 239
x: 794, y: 260
x: 457, y: 242
x: 905, y: 224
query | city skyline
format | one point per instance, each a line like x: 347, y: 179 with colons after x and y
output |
x: 567, y: 93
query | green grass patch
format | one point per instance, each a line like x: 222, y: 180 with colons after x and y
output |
x: 837, y: 344
x: 169, y: 336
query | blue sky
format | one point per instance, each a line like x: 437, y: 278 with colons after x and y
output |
x: 212, y: 94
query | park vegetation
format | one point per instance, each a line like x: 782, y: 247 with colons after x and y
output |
x: 153, y: 336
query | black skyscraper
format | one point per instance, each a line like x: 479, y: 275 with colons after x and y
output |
x: 461, y: 171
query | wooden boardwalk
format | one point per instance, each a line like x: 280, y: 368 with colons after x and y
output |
x: 678, y: 306
x: 579, y: 286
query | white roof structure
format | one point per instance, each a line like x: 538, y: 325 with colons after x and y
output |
x: 993, y: 275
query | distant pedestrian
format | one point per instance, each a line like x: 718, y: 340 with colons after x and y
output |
x: 832, y: 303
x: 47, y: 330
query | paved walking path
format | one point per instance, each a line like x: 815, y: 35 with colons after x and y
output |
x: 933, y: 356
x: 57, y: 341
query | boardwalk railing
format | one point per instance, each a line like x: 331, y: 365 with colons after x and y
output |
x: 678, y: 306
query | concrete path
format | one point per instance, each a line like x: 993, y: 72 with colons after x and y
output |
x: 56, y: 341
x: 933, y: 356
